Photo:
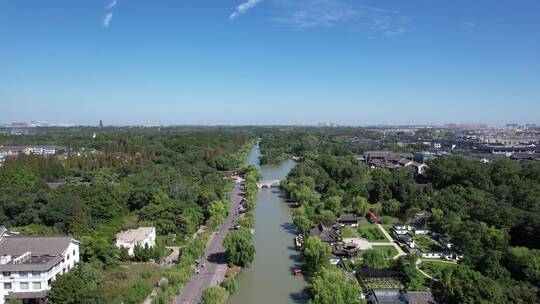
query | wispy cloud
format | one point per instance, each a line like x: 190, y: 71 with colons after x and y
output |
x: 107, y: 19
x: 355, y: 15
x: 243, y: 8
x: 109, y: 13
x: 112, y: 4
x: 468, y: 24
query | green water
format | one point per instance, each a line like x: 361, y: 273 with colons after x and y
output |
x: 269, y: 280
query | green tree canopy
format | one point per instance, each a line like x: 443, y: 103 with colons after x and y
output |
x: 316, y: 254
x: 79, y: 286
x: 330, y: 286
x: 214, y: 295
x: 238, y: 246
x: 376, y: 259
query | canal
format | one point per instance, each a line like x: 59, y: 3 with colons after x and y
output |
x: 269, y: 280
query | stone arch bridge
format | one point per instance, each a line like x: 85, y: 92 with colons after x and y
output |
x: 268, y: 183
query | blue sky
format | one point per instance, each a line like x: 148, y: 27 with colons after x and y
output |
x: 270, y: 61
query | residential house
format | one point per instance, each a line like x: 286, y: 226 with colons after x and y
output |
x: 142, y: 236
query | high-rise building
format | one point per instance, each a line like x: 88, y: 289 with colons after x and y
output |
x: 101, y: 123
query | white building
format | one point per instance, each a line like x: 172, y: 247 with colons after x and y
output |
x: 142, y: 236
x: 11, y: 151
x: 29, y: 264
x: 40, y: 150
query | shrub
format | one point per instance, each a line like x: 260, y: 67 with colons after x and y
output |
x: 137, y: 293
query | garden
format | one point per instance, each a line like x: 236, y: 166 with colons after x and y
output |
x: 371, y: 233
x: 435, y: 268
x: 427, y: 244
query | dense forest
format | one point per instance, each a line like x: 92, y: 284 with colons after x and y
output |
x: 118, y: 179
x: 170, y: 178
x: 490, y: 211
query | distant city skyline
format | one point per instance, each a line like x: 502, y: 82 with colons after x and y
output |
x: 271, y: 62
x: 100, y: 124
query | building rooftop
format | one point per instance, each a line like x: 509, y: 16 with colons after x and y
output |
x: 134, y: 235
x: 38, y: 245
x: 416, y: 297
x: 324, y: 233
x: 32, y: 253
x: 388, y: 296
x: 34, y: 263
x: 27, y: 295
x: 347, y: 217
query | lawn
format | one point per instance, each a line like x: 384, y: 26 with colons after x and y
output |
x: 348, y: 232
x: 130, y: 281
x: 435, y: 268
x: 371, y: 233
x: 427, y: 244
x: 423, y: 285
x: 388, y: 228
x: 389, y: 220
x: 389, y: 251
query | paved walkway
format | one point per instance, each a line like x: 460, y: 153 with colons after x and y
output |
x: 214, y: 259
x: 154, y: 292
x: 392, y: 242
x: 418, y: 262
x: 171, y: 259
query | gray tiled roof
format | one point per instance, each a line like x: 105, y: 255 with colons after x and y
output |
x: 38, y: 245
x: 324, y: 233
x: 347, y: 217
x: 27, y: 295
x: 45, y: 251
x: 36, y: 263
x: 420, y: 297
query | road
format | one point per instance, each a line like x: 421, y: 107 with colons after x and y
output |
x: 393, y: 243
x: 214, y: 259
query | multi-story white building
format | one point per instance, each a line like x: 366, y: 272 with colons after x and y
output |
x: 142, y: 236
x: 29, y: 264
x: 40, y: 150
x: 11, y: 151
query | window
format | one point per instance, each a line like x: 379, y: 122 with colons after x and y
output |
x: 6, y: 273
x: 7, y: 285
x: 36, y: 273
x: 23, y: 285
x: 23, y: 274
x: 68, y: 256
x: 73, y: 252
x: 36, y: 285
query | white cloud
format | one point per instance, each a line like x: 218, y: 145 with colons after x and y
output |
x: 355, y: 15
x: 107, y: 19
x: 243, y: 8
x: 108, y: 16
x: 112, y: 4
x: 468, y: 24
